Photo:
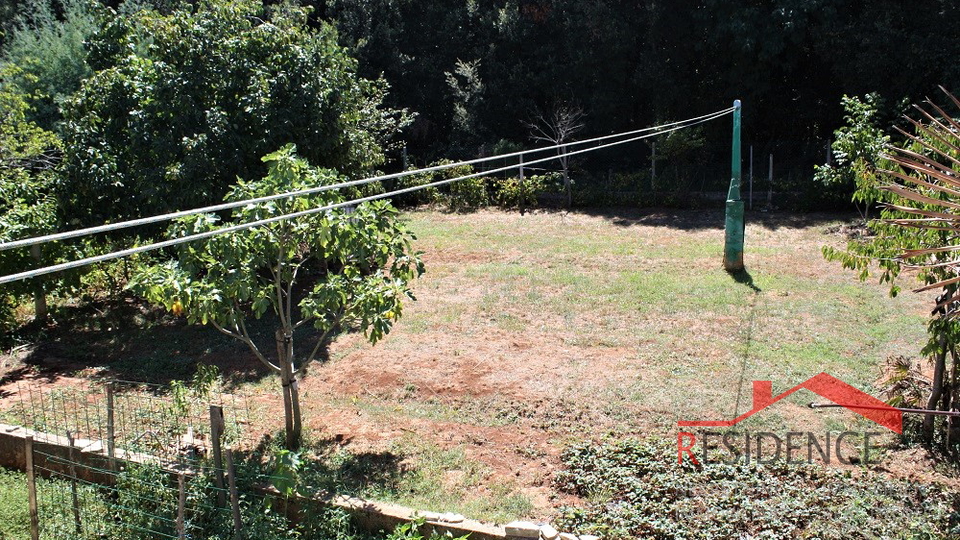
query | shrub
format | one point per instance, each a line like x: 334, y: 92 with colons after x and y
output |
x: 468, y: 194
x: 512, y: 193
x: 632, y: 181
x: 461, y: 195
x: 419, y: 197
x: 856, y: 149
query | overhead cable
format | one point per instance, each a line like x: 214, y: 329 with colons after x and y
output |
x: 243, y: 226
x: 110, y: 227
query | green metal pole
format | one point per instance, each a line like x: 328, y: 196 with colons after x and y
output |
x: 734, y: 223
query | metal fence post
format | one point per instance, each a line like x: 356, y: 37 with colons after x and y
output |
x: 73, y: 485
x: 653, y: 165
x: 523, y: 195
x: 234, y: 495
x: 770, y: 184
x: 111, y: 429
x: 181, y: 506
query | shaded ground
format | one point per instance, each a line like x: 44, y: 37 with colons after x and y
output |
x: 533, y: 332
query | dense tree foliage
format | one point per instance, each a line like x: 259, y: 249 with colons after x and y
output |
x: 181, y: 97
x: 46, y: 43
x: 632, y: 64
x: 181, y: 105
x: 29, y: 157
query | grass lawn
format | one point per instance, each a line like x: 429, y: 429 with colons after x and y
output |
x: 535, y: 332
x: 634, y: 312
x: 14, y: 513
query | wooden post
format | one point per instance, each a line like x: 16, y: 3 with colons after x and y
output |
x: 770, y: 184
x: 181, y: 506
x: 111, y: 429
x: 73, y: 485
x: 523, y: 195
x: 750, y: 203
x: 216, y: 436
x: 31, y: 488
x: 234, y: 495
x: 653, y: 165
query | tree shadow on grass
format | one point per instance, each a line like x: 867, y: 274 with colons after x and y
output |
x: 743, y: 277
x: 130, y: 340
x: 712, y: 218
x: 328, y: 466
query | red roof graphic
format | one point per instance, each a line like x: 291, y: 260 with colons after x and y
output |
x: 826, y: 386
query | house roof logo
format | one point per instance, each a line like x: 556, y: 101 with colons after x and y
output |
x: 825, y: 386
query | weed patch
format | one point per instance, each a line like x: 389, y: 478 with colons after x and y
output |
x: 636, y: 489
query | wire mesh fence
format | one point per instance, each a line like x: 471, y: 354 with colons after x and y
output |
x: 136, y: 501
x: 121, y: 459
x: 79, y: 496
x: 131, y: 461
x: 124, y: 418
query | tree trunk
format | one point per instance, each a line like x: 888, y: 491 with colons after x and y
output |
x: 286, y: 376
x: 287, y: 410
x: 297, y: 436
x: 291, y: 407
x: 949, y: 400
x: 39, y: 304
x: 936, y: 392
x: 291, y: 396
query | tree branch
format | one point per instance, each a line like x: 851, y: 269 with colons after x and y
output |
x: 303, y: 322
x: 226, y: 331
x: 323, y: 338
x: 278, y: 286
x: 256, y: 350
x: 296, y: 270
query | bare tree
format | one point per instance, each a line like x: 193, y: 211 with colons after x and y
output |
x: 558, y: 127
